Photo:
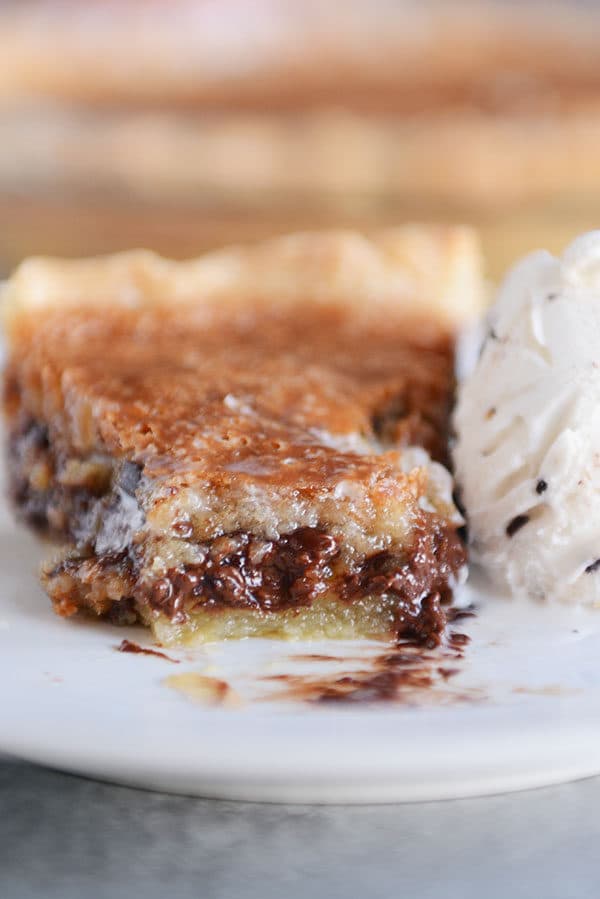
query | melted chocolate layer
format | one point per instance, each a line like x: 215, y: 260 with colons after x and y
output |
x: 242, y: 572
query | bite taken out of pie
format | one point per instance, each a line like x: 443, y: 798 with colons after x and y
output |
x: 249, y: 443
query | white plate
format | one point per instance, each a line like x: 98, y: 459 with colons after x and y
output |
x: 523, y: 711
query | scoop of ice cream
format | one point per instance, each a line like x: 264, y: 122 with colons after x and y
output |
x: 527, y: 453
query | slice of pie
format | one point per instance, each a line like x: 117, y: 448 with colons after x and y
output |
x: 250, y: 443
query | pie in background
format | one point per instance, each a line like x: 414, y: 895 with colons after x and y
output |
x: 189, y: 124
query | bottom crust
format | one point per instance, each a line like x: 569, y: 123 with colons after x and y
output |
x: 373, y: 617
x: 98, y: 587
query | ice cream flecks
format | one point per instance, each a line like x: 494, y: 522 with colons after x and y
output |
x: 527, y: 453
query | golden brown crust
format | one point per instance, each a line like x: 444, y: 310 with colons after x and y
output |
x: 419, y: 271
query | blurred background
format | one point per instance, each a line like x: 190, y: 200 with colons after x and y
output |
x: 186, y: 124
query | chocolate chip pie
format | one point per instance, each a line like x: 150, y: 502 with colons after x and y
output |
x: 250, y: 443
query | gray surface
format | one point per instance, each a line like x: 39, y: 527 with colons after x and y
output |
x: 69, y: 838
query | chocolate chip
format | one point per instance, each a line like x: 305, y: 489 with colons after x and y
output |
x: 593, y: 567
x: 161, y: 592
x: 129, y: 477
x: 516, y: 524
x: 385, y: 419
x: 541, y: 486
x: 314, y: 543
x: 490, y: 412
x: 231, y: 584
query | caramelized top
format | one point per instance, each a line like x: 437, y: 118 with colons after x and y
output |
x: 243, y: 394
x: 310, y: 401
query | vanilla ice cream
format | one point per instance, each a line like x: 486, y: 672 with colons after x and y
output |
x: 527, y: 453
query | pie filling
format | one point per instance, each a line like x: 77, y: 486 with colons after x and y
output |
x: 289, y: 586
